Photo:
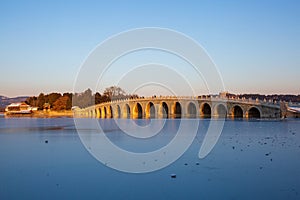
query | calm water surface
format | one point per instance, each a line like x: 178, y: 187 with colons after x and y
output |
x: 252, y: 160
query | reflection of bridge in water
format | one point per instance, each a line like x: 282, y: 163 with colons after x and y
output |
x: 185, y: 107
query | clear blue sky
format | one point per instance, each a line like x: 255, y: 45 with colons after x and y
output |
x: 255, y: 44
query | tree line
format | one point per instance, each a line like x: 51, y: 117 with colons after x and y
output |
x: 273, y: 97
x: 56, y: 101
x: 66, y: 101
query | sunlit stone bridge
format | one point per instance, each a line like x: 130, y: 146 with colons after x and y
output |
x: 183, y: 107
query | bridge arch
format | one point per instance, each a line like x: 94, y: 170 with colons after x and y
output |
x: 126, y: 111
x: 118, y: 111
x: 221, y: 110
x: 110, y: 112
x: 177, y: 110
x: 237, y: 112
x: 150, y: 110
x: 137, y: 111
x: 164, y: 110
x: 254, y: 112
x: 191, y: 110
x: 205, y: 110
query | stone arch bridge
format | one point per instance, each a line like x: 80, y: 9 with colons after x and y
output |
x: 182, y: 107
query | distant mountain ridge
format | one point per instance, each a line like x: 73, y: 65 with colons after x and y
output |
x: 5, y: 101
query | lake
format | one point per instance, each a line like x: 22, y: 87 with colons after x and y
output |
x: 46, y: 159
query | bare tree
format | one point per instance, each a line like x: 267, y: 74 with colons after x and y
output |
x: 114, y: 92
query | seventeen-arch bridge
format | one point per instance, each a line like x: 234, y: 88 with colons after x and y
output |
x: 183, y: 107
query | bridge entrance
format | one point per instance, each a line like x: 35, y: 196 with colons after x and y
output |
x: 138, y: 111
x: 253, y: 113
x: 192, y: 111
x: 221, y: 111
x: 237, y: 112
x: 206, y: 111
x: 177, y: 110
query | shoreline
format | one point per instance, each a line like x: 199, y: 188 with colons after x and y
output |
x: 49, y: 114
x: 43, y: 114
x: 70, y: 114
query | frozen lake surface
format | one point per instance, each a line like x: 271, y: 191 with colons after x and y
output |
x: 45, y: 159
